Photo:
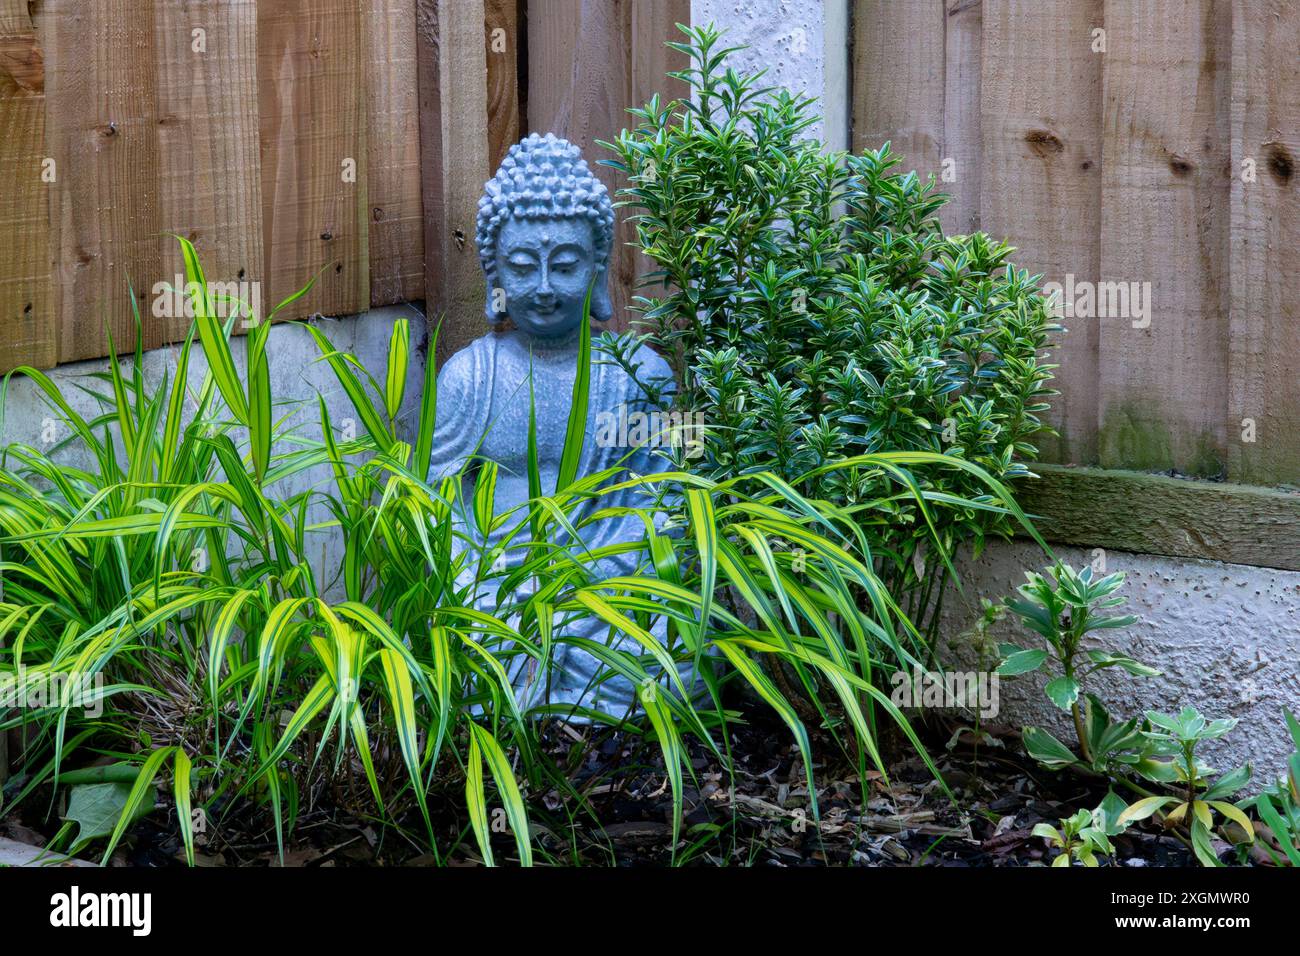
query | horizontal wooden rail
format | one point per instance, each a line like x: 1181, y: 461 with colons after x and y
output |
x: 1156, y: 514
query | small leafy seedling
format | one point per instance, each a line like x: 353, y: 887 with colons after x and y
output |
x: 1278, y: 807
x: 1115, y: 748
x: 1081, y: 838
x: 1178, y: 737
x: 1063, y: 607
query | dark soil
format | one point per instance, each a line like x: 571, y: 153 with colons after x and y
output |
x: 762, y: 816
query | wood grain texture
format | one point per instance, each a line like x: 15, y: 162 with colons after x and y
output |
x: 102, y: 133
x: 312, y: 108
x: 1041, y: 186
x: 579, y: 84
x: 454, y: 147
x: 963, y: 68
x: 396, y: 213
x: 501, y: 36
x: 27, y: 323
x: 432, y: 188
x: 1164, y: 221
x: 209, y: 187
x: 651, y: 24
x: 1155, y: 514
x: 898, y: 80
x: 1264, y: 344
x: 588, y: 61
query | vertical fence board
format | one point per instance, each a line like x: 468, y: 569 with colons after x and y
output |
x: 962, y: 143
x: 432, y: 187
x: 501, y: 39
x: 898, y: 80
x: 393, y: 145
x: 588, y: 61
x: 209, y: 187
x: 27, y: 327
x: 653, y: 24
x: 315, y: 214
x: 102, y: 134
x: 1264, y: 362
x: 454, y: 163
x: 579, y: 84
x: 1164, y: 220
x: 650, y: 25
x: 1041, y: 187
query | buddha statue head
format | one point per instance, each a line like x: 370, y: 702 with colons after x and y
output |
x: 545, y: 230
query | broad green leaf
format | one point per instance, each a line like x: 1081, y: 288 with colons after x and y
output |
x: 1202, y: 845
x: 1062, y: 691
x: 1234, y: 814
x: 1048, y: 832
x: 1022, y: 662
x: 1144, y: 808
x: 96, y: 808
x: 1047, y: 750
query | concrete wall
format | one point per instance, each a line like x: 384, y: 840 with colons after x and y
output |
x: 803, y: 45
x: 1225, y: 636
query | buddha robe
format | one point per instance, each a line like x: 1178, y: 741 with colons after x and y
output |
x: 483, y: 413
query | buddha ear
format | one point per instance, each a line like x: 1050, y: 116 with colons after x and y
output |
x: 601, y: 309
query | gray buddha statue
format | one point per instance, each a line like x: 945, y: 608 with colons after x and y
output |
x: 545, y: 233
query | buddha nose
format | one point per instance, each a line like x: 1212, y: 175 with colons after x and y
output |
x: 544, y: 286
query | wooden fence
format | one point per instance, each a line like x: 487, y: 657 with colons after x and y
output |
x: 1123, y: 141
x: 280, y: 137
x: 1114, y: 142
x: 346, y: 140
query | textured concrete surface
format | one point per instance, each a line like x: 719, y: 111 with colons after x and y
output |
x: 790, y: 39
x: 1225, y: 636
x: 297, y: 377
x: 13, y: 853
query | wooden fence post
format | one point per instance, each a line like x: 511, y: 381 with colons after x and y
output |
x: 27, y: 327
x: 453, y: 85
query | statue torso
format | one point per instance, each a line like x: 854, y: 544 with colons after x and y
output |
x: 483, y: 393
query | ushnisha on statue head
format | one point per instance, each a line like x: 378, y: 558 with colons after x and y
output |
x: 545, y: 231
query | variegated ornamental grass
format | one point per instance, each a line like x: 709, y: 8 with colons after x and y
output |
x: 252, y: 675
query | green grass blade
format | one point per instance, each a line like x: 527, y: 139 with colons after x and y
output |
x: 576, y: 429
x: 504, y: 778
x: 139, y: 789
x: 399, y: 346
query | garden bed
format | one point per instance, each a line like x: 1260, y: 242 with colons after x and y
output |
x: 761, y: 817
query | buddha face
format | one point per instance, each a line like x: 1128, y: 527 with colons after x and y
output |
x: 545, y: 267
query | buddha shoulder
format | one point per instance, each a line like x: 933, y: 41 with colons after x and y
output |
x: 471, y: 366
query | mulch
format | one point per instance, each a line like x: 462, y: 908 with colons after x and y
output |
x: 760, y: 815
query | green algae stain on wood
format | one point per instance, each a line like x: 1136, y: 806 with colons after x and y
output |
x: 1135, y: 437
x: 1156, y: 514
